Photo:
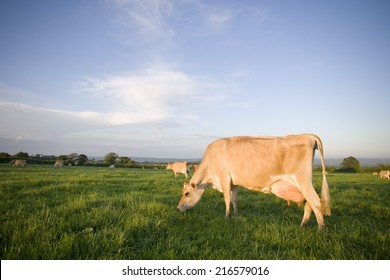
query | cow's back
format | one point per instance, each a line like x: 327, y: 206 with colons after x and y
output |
x: 252, y: 161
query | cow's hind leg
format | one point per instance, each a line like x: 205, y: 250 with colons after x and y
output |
x: 227, y: 198
x: 317, y: 213
x: 234, y: 200
x: 313, y: 202
x: 228, y: 194
x: 319, y: 217
x: 306, y: 215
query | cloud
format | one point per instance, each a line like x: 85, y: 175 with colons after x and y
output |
x: 22, y: 121
x: 7, y: 92
x: 167, y: 21
x: 151, y: 95
x: 150, y: 19
x: 155, y: 95
x: 260, y: 15
x: 217, y: 20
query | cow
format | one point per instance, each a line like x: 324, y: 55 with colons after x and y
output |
x: 59, y: 163
x: 179, y: 168
x: 20, y: 163
x: 384, y: 174
x: 278, y: 165
x: 195, y: 166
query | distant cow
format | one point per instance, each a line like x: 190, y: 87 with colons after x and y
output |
x: 19, y: 163
x: 278, y: 165
x: 385, y: 174
x: 179, y: 168
x: 59, y: 163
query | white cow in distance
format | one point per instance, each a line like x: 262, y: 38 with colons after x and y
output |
x: 278, y: 165
x: 59, y: 163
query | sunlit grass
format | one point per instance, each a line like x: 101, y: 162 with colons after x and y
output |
x: 102, y: 213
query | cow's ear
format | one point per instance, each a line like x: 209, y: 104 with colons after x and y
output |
x: 193, y: 186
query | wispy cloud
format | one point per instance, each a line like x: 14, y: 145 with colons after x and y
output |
x: 167, y: 20
x: 150, y: 19
x: 217, y: 20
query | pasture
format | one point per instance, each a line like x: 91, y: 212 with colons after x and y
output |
x: 97, y: 213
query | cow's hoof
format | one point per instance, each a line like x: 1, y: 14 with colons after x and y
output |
x: 321, y: 227
x: 304, y: 224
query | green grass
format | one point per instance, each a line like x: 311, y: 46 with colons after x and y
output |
x: 101, y: 213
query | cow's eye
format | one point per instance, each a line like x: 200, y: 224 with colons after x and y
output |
x: 186, y: 193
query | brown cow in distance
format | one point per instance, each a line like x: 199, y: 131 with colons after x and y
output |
x: 384, y: 174
x: 179, y: 168
x: 19, y: 163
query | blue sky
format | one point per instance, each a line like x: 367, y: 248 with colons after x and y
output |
x: 163, y: 78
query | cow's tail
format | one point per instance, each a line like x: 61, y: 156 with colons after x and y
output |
x: 325, y: 196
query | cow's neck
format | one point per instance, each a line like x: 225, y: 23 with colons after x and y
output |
x: 199, y: 178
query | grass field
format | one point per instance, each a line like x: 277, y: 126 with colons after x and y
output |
x: 101, y: 213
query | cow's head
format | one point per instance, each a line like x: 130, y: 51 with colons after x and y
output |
x: 191, y: 195
x: 168, y: 166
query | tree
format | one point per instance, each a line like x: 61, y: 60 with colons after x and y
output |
x: 21, y: 155
x: 63, y: 158
x: 72, y: 158
x: 350, y: 164
x: 82, y: 159
x: 123, y: 160
x: 5, y: 157
x: 110, y: 158
x: 130, y: 163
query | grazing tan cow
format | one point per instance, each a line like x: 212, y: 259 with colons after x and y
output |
x: 278, y: 165
x: 385, y: 174
x: 59, y: 163
x: 20, y: 163
x: 179, y: 168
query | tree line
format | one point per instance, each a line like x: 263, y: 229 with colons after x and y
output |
x: 110, y: 159
x: 348, y: 165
